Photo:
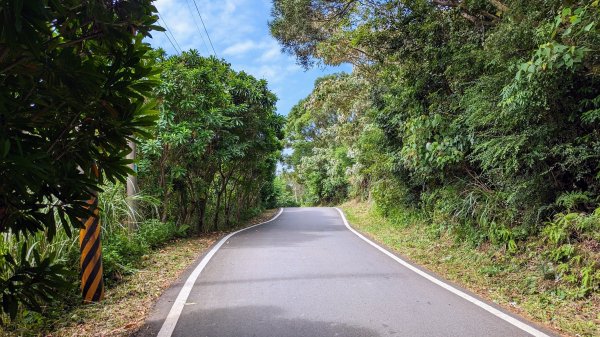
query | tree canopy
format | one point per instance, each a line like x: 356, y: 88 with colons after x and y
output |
x: 482, y: 115
x: 74, y: 77
x: 213, y: 154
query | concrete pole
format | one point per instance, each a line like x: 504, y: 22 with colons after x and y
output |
x: 132, y: 190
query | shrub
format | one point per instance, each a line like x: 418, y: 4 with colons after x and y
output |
x: 572, y: 243
x: 155, y: 233
x: 121, y: 254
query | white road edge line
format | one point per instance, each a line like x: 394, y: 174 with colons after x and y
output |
x: 525, y: 327
x: 169, y: 324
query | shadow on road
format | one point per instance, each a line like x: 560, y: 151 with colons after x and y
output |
x: 295, y: 227
x: 316, y: 277
x: 263, y: 321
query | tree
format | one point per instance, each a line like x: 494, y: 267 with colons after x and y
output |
x: 75, y: 76
x: 212, y: 157
x: 322, y: 131
x: 363, y: 32
x: 481, y: 115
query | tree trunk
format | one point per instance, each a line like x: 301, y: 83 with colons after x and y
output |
x: 228, y: 200
x: 218, y: 205
x: 201, y: 214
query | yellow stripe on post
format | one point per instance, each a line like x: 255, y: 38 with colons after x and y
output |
x: 92, y: 284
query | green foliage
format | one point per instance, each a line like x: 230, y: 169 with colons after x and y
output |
x: 155, y: 233
x: 321, y: 130
x: 323, y: 175
x: 213, y: 154
x: 570, y: 26
x: 480, y: 116
x: 122, y: 248
x: 32, y: 280
x: 284, y: 194
x: 573, y: 245
x: 120, y: 254
x: 74, y: 78
x: 574, y: 200
x: 123, y: 251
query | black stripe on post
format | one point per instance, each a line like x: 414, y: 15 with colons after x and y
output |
x: 91, y: 278
x: 99, y: 291
x: 88, y: 258
x: 89, y: 233
x: 91, y: 259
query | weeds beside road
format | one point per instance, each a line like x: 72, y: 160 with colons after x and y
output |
x: 513, y: 281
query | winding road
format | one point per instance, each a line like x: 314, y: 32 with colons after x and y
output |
x: 306, y: 273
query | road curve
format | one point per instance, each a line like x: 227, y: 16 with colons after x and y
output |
x: 305, y: 274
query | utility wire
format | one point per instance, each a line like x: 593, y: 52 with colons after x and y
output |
x: 168, y: 30
x: 197, y: 26
x: 203, y: 25
x: 168, y: 38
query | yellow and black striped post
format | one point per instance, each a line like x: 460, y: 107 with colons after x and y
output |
x: 92, y: 283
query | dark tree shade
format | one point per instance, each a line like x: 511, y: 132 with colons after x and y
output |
x: 73, y: 80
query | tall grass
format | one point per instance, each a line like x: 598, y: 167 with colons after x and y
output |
x: 122, y: 250
x: 114, y: 212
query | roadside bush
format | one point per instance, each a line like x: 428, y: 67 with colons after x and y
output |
x: 121, y: 253
x: 155, y: 233
x: 390, y: 197
x: 572, y: 245
x: 250, y: 212
x: 122, y: 250
x: 474, y: 215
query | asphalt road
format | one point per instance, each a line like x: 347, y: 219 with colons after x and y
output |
x: 305, y: 274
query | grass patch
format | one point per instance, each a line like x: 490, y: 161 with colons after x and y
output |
x: 514, y: 281
x: 128, y: 302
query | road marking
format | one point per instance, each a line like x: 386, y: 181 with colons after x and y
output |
x: 525, y: 327
x: 169, y: 324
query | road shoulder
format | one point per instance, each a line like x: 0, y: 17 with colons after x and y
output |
x: 158, y: 312
x: 465, y: 267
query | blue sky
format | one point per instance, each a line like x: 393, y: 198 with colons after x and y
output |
x: 239, y: 33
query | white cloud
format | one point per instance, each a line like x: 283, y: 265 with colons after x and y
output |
x: 274, y: 72
x: 271, y: 52
x: 239, y: 48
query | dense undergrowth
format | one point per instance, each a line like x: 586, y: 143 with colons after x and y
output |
x: 481, y: 117
x: 123, y: 250
x: 565, y: 252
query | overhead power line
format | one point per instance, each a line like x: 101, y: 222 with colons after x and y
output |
x: 197, y: 27
x: 168, y: 30
x: 206, y: 31
x: 168, y: 38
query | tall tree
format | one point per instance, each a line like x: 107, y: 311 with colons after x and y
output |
x: 216, y: 144
x: 74, y: 76
x: 480, y: 114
